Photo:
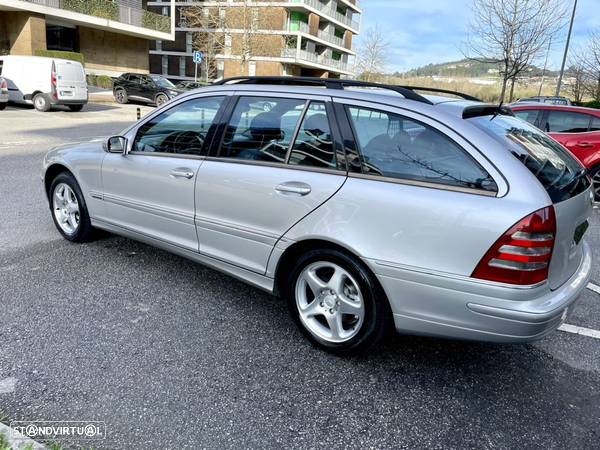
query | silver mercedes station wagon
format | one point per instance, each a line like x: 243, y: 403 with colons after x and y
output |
x: 364, y: 206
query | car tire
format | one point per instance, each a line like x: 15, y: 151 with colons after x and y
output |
x: 75, y: 108
x: 2, y: 105
x: 41, y: 102
x: 161, y: 99
x: 595, y: 176
x: 121, y: 96
x: 69, y: 210
x: 348, y: 313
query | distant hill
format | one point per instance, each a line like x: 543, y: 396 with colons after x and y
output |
x: 464, y: 68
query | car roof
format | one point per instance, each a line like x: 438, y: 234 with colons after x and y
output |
x: 571, y: 108
x: 440, y: 104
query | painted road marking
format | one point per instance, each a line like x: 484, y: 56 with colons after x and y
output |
x: 593, y: 287
x: 580, y: 330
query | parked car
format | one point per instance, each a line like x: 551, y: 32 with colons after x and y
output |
x: 546, y: 100
x: 189, y: 85
x: 44, y: 82
x: 574, y: 127
x: 444, y: 217
x: 146, y: 88
x: 3, y: 93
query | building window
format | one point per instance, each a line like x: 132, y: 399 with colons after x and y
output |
x: 165, y: 65
x: 182, y: 66
x: 252, y: 68
x: 222, y: 13
x: 166, y: 11
x: 188, y: 43
x: 220, y: 69
x: 159, y: 45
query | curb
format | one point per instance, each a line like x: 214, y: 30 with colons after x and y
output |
x: 17, y: 441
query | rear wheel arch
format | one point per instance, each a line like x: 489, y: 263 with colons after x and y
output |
x: 290, y: 255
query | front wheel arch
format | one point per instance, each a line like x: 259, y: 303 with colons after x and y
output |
x: 51, y: 173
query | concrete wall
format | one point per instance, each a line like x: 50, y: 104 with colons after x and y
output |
x: 22, y: 32
x: 112, y: 53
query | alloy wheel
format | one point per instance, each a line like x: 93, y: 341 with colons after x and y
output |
x: 329, y: 302
x: 66, y: 208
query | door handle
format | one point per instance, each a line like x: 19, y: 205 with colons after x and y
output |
x: 293, y: 187
x: 585, y: 144
x: 182, y: 172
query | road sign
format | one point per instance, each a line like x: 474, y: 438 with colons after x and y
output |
x: 198, y: 56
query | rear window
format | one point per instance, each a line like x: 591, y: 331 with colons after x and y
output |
x: 69, y: 72
x: 560, y: 173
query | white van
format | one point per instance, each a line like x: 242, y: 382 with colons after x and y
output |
x: 44, y: 82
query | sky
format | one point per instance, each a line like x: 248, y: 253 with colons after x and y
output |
x: 434, y: 31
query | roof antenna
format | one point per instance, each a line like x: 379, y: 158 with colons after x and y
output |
x: 498, y: 111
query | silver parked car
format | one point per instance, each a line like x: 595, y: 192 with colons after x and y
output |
x: 363, y: 208
x: 3, y: 93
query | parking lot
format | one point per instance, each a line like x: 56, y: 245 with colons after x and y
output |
x: 170, y: 354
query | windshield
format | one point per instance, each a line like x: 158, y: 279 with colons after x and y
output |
x: 559, y: 172
x: 163, y: 82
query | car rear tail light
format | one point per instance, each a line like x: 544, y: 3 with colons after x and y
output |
x: 53, y: 83
x: 3, y: 84
x: 522, y: 255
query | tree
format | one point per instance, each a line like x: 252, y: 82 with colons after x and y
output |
x: 372, y: 54
x: 513, y: 34
x: 238, y: 31
x: 590, y: 60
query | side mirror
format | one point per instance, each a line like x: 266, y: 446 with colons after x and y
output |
x: 116, y: 144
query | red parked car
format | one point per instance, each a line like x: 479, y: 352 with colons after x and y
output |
x: 574, y: 127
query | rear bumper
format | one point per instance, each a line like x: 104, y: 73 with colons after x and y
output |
x: 68, y: 102
x: 4, y: 98
x: 445, y: 306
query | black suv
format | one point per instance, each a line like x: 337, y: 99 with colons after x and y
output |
x: 146, y: 88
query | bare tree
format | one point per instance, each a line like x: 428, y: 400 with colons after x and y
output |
x: 590, y: 60
x: 513, y: 33
x: 237, y: 31
x: 372, y: 54
x: 210, y: 37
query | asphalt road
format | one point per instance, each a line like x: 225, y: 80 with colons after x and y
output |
x: 174, y: 355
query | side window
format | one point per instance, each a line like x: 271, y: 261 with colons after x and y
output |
x: 530, y: 116
x: 397, y: 147
x: 595, y: 126
x: 262, y: 129
x: 180, y: 130
x: 314, y: 145
x: 567, y: 122
x: 133, y: 78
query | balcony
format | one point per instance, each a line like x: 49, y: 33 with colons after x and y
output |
x: 325, y: 36
x: 312, y: 58
x: 110, y: 10
x: 331, y: 12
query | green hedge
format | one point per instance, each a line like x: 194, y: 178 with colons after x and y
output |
x: 156, y: 22
x: 592, y: 104
x: 102, y: 81
x: 73, y: 56
x: 106, y: 9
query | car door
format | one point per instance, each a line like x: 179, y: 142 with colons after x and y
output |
x: 267, y: 172
x: 571, y: 129
x: 150, y: 189
x: 148, y: 88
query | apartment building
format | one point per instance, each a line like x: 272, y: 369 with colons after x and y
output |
x: 112, y: 35
x: 282, y: 37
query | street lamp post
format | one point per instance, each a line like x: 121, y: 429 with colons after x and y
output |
x: 564, y: 61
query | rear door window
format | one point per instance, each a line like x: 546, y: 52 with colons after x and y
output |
x: 394, y: 146
x: 595, y: 125
x: 262, y: 129
x: 567, y: 122
x: 560, y: 173
x: 313, y: 146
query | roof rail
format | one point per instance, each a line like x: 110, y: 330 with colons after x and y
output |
x: 329, y: 83
x: 443, y: 91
